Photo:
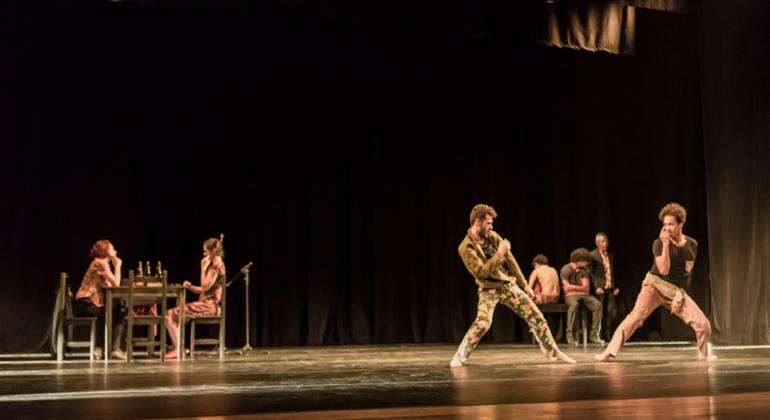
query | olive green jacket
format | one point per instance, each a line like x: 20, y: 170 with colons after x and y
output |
x: 488, y: 273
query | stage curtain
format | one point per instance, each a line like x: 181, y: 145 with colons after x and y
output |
x: 736, y: 89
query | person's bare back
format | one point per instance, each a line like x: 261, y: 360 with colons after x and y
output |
x: 549, y: 280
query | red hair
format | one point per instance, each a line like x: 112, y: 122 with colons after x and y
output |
x: 100, y: 249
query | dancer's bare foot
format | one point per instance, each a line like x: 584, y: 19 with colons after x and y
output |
x: 710, y: 351
x: 456, y: 362
x: 603, y: 357
x: 558, y: 354
x: 171, y: 355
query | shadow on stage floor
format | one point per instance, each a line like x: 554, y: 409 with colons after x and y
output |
x: 499, y: 381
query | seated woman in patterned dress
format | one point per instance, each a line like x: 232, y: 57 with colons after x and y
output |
x: 209, y: 292
x: 104, y: 271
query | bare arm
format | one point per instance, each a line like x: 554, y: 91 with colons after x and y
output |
x: 566, y: 286
x: 118, y: 263
x: 208, y: 278
x: 585, y: 285
x: 513, y: 267
x: 532, y: 278
x: 663, y: 261
x: 206, y: 282
x: 111, y: 276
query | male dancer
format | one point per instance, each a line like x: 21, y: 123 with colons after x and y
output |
x: 671, y: 271
x: 488, y: 258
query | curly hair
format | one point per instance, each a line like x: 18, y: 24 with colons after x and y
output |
x: 580, y: 254
x: 673, y: 209
x: 480, y: 211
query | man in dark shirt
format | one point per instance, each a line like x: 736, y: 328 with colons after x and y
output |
x: 674, y: 254
x: 576, y: 283
x: 603, y: 279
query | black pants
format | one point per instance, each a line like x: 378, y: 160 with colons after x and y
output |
x: 84, y: 307
x: 610, y: 303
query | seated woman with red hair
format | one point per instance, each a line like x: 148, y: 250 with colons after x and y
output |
x: 103, y: 271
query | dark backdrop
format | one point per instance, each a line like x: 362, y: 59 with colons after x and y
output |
x: 736, y: 107
x: 341, y: 159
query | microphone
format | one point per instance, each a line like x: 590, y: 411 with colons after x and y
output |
x: 247, y: 266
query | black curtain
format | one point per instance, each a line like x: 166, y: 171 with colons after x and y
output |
x: 736, y: 121
x: 342, y: 160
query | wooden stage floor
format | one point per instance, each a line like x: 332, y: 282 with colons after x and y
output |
x: 409, y: 381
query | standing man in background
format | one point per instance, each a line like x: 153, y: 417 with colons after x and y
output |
x: 603, y: 279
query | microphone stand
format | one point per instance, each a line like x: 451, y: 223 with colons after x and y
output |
x: 245, y: 272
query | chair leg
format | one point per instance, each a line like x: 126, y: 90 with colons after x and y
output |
x: 221, y: 340
x: 584, y: 325
x: 192, y: 339
x: 560, y: 331
x: 129, y: 340
x: 92, y: 347
x: 151, y: 339
x: 162, y: 341
x: 60, y: 340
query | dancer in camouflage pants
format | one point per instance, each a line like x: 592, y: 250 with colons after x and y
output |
x: 514, y: 298
x: 488, y: 258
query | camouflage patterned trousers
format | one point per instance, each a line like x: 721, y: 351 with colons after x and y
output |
x: 513, y: 297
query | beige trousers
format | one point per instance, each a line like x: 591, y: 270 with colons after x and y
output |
x: 650, y: 299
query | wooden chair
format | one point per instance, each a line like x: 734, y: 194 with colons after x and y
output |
x: 136, y: 299
x: 67, y: 319
x: 210, y: 320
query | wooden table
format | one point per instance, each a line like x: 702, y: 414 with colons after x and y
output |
x: 144, y: 293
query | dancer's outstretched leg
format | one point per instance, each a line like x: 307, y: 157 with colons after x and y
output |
x: 487, y: 301
x: 647, y: 301
x: 514, y: 298
x: 693, y: 316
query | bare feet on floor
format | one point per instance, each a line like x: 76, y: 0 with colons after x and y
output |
x: 603, y: 357
x: 456, y: 362
x: 558, y: 354
x: 710, y: 351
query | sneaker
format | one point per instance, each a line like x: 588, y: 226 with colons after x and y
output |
x: 118, y: 354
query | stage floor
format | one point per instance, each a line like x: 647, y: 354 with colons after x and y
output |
x: 408, y: 381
